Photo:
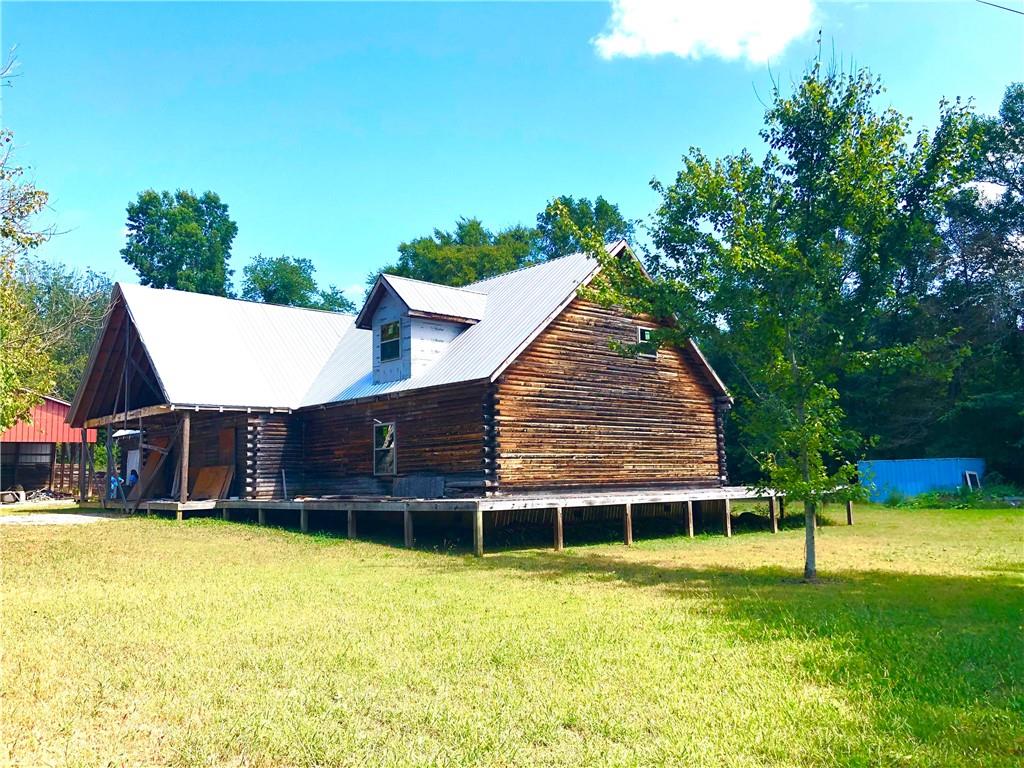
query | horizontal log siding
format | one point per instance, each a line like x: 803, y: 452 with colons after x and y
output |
x: 571, y: 412
x: 439, y: 431
x: 273, y: 442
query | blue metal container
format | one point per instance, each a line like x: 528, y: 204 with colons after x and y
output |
x: 909, y: 477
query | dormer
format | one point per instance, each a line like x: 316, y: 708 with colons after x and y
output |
x: 413, y: 323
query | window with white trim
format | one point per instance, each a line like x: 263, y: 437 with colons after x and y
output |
x: 645, y: 338
x: 390, y: 341
x: 384, y: 449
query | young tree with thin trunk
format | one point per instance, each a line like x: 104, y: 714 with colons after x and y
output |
x: 779, y: 264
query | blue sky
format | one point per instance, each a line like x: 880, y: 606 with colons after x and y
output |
x: 335, y: 131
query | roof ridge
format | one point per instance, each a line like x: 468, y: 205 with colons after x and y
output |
x: 429, y: 282
x: 529, y: 266
x: 236, y: 299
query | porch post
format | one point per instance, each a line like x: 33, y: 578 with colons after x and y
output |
x: 186, y: 434
x: 81, y: 469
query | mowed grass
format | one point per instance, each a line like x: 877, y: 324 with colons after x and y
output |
x: 147, y: 642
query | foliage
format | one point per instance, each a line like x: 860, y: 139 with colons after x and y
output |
x: 992, y: 495
x: 68, y: 308
x: 290, y: 282
x: 27, y: 370
x: 180, y: 241
x: 556, y: 236
x: 782, y: 265
x: 600, y: 655
x: 471, y: 252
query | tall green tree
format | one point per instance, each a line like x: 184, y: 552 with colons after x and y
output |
x: 557, y: 235
x: 290, y: 282
x: 27, y: 370
x: 781, y: 264
x: 468, y: 253
x: 181, y: 241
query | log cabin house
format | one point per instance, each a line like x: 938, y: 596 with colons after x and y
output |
x: 503, y: 394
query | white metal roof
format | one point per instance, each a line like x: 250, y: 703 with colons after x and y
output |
x: 430, y: 298
x: 519, y: 305
x: 207, y: 350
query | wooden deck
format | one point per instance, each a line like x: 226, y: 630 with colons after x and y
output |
x: 476, y: 509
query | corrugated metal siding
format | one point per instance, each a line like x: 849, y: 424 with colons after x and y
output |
x: 46, y: 425
x: 910, y: 477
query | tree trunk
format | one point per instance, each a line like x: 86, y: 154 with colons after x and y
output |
x: 810, y: 561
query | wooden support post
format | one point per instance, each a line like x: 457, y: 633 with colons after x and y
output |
x: 849, y: 513
x: 689, y: 519
x: 478, y: 531
x: 180, y: 514
x: 728, y: 518
x: 407, y: 526
x: 351, y: 523
x: 261, y: 516
x: 772, y: 520
x: 782, y: 508
x: 627, y: 525
x: 225, y: 513
x: 186, y: 435
x: 559, y: 530
x: 81, y: 469
x: 304, y: 520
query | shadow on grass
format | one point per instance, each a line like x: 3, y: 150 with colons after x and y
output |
x: 937, y: 659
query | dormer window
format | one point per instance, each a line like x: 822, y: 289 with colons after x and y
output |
x: 390, y: 341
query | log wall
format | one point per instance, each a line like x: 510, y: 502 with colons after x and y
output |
x: 273, y: 442
x: 572, y: 412
x: 439, y: 432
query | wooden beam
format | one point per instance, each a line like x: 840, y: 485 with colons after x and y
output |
x: 728, y: 518
x: 627, y: 525
x: 407, y: 526
x: 849, y: 513
x: 351, y: 523
x: 772, y: 519
x: 225, y: 513
x: 261, y: 516
x: 478, y: 531
x: 559, y: 530
x: 304, y: 520
x: 137, y: 413
x: 689, y: 518
x: 186, y: 435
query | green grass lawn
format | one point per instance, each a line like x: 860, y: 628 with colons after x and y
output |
x: 147, y: 642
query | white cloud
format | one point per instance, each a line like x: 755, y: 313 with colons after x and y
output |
x: 755, y: 30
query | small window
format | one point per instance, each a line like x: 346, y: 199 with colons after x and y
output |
x: 644, y: 338
x: 390, y: 341
x: 384, y: 449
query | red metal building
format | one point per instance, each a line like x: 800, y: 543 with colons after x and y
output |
x: 43, y: 451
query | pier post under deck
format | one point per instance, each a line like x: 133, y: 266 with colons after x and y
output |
x: 773, y: 521
x: 627, y: 525
x: 728, y: 518
x: 478, y: 531
x: 559, y: 530
x: 351, y: 523
x: 689, y: 518
x: 407, y: 526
